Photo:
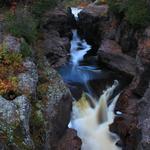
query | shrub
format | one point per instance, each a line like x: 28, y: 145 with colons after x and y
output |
x: 41, y: 6
x: 26, y: 50
x: 136, y: 12
x: 22, y: 24
x: 10, y: 66
x: 8, y: 85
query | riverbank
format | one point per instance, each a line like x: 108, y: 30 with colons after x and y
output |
x: 35, y: 100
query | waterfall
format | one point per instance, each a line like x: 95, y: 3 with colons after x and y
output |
x: 75, y: 12
x: 91, y: 118
x: 78, y: 48
x: 92, y: 124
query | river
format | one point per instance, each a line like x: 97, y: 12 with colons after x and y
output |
x: 93, y: 108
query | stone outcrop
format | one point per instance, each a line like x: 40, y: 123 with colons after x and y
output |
x: 125, y: 50
x: 89, y: 24
x: 58, y: 20
x: 57, y: 33
x: 15, y: 116
x: 132, y: 126
x: 110, y: 54
x: 144, y: 119
x: 12, y: 43
x: 70, y: 141
x: 57, y: 109
x: 55, y: 48
x: 28, y: 80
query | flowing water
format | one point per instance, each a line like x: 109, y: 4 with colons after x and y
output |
x: 90, y: 117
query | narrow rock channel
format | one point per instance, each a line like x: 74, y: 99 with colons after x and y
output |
x: 91, y: 116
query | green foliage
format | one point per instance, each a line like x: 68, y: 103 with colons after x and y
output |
x: 41, y: 6
x: 117, y: 6
x: 26, y: 50
x: 10, y: 66
x: 136, y: 12
x: 69, y: 3
x: 22, y: 24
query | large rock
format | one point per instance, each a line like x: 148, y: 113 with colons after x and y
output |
x: 28, y: 80
x: 90, y: 19
x: 144, y: 121
x: 125, y: 124
x: 133, y: 125
x: 56, y: 102
x: 116, y: 61
x: 126, y: 37
x: 58, y: 20
x: 143, y: 67
x: 70, y: 141
x: 110, y: 46
x: 12, y: 43
x: 14, y: 120
x: 55, y: 48
x: 55, y: 43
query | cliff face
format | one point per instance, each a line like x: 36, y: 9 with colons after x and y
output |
x: 36, y: 111
x: 125, y: 50
x: 35, y: 103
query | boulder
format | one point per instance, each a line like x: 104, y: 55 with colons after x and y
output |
x: 55, y: 48
x: 12, y: 43
x: 55, y: 41
x: 90, y: 19
x: 14, y: 120
x: 28, y: 80
x: 110, y: 46
x: 144, y: 120
x: 118, y: 62
x: 126, y: 37
x: 70, y: 141
x: 143, y: 67
x: 56, y: 106
x: 133, y: 125
x: 58, y: 20
x: 125, y: 124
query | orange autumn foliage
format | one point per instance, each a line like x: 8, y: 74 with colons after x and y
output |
x: 10, y: 67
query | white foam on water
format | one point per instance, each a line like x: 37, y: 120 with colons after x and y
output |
x: 92, y: 124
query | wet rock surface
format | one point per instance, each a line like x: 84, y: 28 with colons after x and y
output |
x: 118, y: 62
x: 70, y: 141
x: 51, y: 113
x: 90, y: 20
x: 55, y: 40
x: 125, y: 50
x: 144, y: 119
x: 55, y: 48
x: 133, y: 103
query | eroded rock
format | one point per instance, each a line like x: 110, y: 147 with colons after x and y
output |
x: 12, y: 43
x: 144, y: 120
x: 90, y: 19
x: 28, y: 80
x: 118, y: 62
x: 70, y: 141
x: 15, y: 116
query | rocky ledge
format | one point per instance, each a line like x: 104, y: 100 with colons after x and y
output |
x: 38, y: 114
x: 55, y: 39
x: 125, y: 50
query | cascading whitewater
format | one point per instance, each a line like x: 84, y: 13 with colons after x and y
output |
x: 78, y: 48
x: 92, y: 122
